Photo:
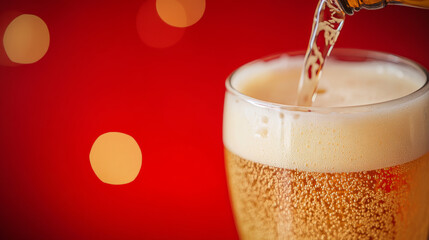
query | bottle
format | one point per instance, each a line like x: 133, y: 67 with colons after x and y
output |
x: 351, y: 6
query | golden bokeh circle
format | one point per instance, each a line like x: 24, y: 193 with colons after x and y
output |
x: 26, y: 39
x: 116, y: 158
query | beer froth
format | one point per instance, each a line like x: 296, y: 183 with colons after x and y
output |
x: 358, y: 139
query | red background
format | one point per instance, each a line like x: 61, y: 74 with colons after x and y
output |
x: 98, y: 76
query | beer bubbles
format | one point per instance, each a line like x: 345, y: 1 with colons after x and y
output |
x: 116, y: 158
x: 26, y: 39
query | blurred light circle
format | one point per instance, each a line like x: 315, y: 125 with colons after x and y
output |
x: 26, y: 39
x: 116, y: 158
x: 152, y: 30
x: 180, y: 13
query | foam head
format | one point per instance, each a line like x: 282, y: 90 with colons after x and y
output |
x: 369, y: 114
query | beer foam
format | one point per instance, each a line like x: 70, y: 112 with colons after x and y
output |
x: 261, y: 126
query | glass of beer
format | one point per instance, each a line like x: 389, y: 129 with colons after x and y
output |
x: 355, y: 165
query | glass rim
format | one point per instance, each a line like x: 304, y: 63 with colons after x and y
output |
x: 370, y: 54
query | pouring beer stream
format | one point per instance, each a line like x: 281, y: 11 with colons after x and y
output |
x: 328, y: 21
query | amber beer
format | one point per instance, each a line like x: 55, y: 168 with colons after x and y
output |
x: 353, y: 166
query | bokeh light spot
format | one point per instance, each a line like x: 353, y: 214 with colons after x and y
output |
x: 180, y: 13
x: 116, y: 158
x: 152, y: 30
x: 26, y: 39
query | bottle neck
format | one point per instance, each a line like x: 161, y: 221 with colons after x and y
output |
x: 351, y: 6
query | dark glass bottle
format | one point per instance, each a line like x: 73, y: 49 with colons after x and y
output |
x: 351, y: 6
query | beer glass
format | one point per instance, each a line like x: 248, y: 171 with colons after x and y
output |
x: 355, y: 165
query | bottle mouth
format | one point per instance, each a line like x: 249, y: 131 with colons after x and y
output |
x: 345, y: 6
x: 351, y: 6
